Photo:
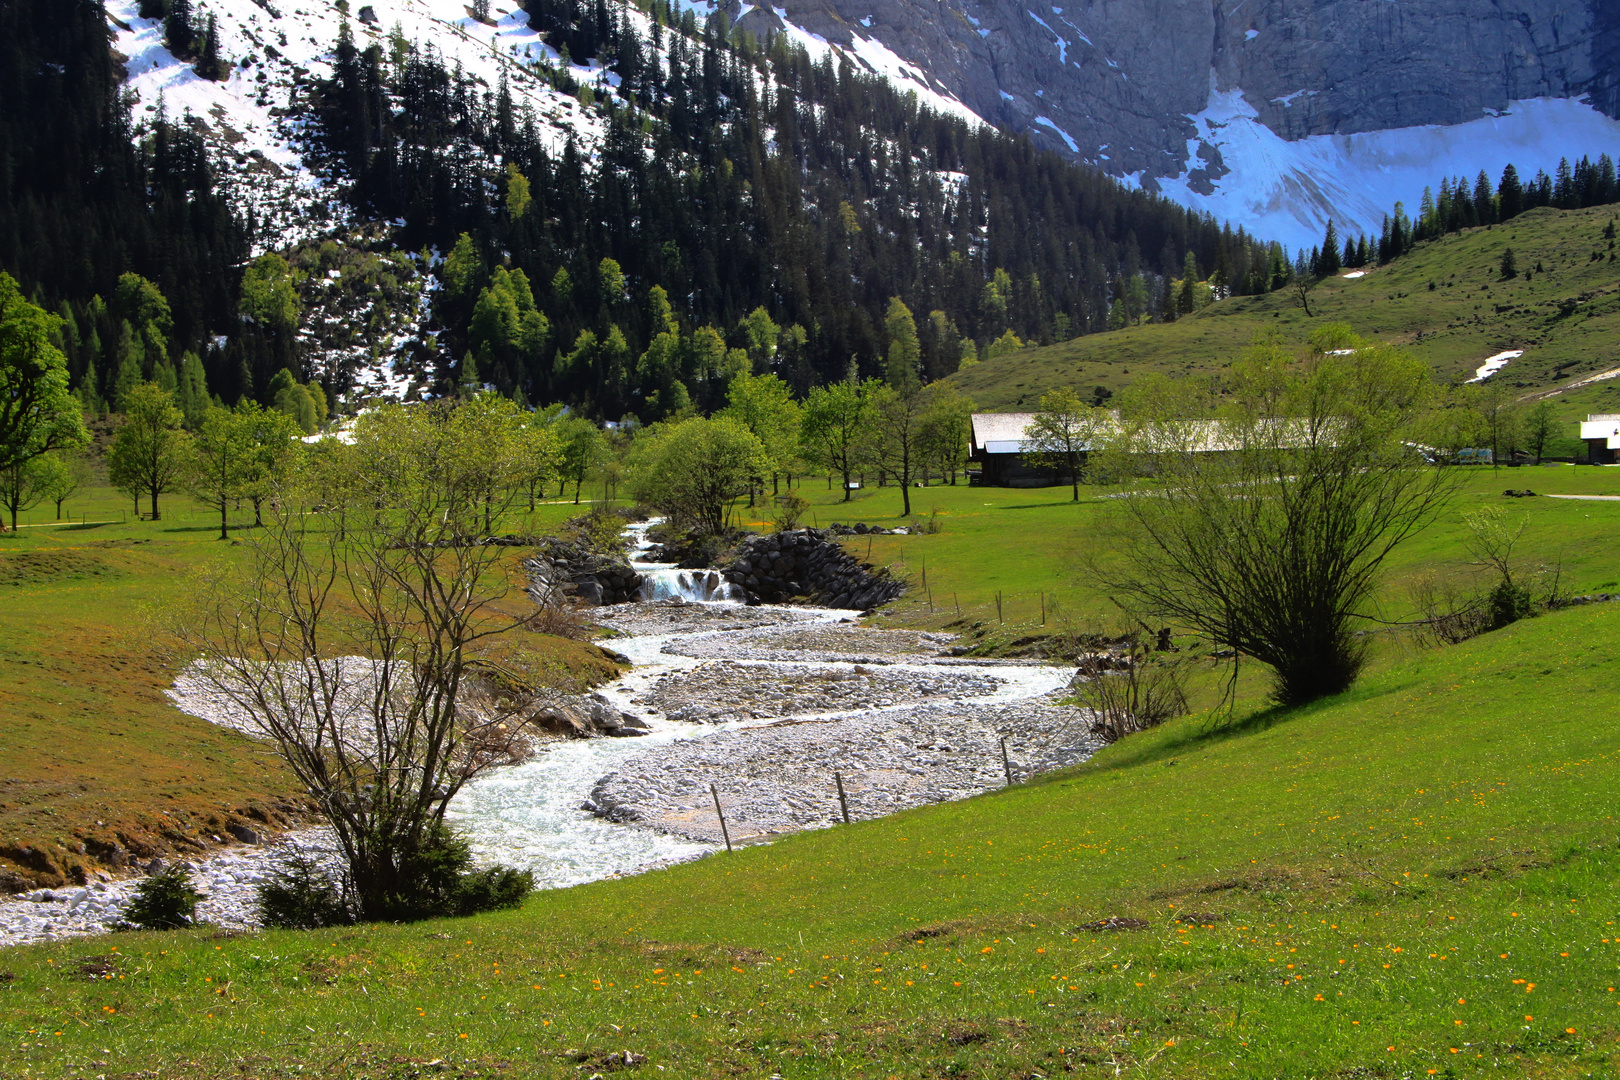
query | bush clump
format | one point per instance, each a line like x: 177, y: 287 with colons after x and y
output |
x: 165, y: 901
x: 435, y: 881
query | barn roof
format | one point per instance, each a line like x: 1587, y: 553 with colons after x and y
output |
x: 1001, y: 433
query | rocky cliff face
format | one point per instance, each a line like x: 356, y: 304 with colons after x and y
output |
x: 1115, y: 81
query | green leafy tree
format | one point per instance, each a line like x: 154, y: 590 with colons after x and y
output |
x: 69, y: 472
x: 288, y: 395
x: 223, y: 450
x: 764, y: 405
x: 833, y: 432
x: 192, y: 390
x: 274, y: 457
x: 143, y: 305
x: 463, y: 270
x: 760, y: 336
x: 905, y: 350
x: 896, y: 443
x: 945, y: 422
x: 518, y: 197
x: 270, y: 294
x: 1540, y: 427
x: 24, y: 486
x: 150, y: 454
x: 695, y: 469
x: 38, y: 414
x: 1063, y: 432
x: 580, y: 447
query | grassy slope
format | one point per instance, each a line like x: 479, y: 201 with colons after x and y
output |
x: 1415, y: 878
x: 1471, y: 314
x: 1023, y: 542
x: 94, y: 753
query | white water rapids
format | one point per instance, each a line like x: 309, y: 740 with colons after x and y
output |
x: 532, y: 815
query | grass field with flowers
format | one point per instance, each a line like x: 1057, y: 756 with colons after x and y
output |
x: 1418, y: 878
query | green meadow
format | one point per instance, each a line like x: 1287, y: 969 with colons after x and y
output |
x: 1445, y: 300
x: 1415, y: 878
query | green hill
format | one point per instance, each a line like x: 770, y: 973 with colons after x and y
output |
x: 1416, y: 878
x: 1446, y: 300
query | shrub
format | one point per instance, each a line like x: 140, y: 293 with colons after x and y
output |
x: 302, y: 896
x: 165, y: 901
x: 1508, y: 603
x: 790, y: 511
x: 1130, y: 693
x: 435, y: 881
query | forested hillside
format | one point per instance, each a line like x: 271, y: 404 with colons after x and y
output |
x: 733, y: 179
x: 85, y: 200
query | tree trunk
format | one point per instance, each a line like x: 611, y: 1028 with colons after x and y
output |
x: 846, y: 487
x: 577, y: 485
x: 224, y: 530
x: 154, y: 503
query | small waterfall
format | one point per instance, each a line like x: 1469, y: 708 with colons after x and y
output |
x: 696, y: 586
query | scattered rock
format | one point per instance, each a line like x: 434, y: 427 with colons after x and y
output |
x: 1116, y: 923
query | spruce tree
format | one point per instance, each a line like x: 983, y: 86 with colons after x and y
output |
x: 1327, y: 263
x: 1509, y: 195
x: 178, y: 33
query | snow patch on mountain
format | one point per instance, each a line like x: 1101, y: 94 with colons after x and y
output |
x: 1287, y: 191
x: 879, y: 59
x: 273, y: 46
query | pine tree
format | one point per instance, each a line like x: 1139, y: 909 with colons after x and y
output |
x: 1327, y: 263
x: 178, y: 32
x: 209, y: 65
x: 1510, y: 265
x: 1509, y: 195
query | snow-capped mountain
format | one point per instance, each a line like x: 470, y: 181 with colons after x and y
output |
x: 1275, y: 114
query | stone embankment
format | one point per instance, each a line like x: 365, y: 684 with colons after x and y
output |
x: 809, y: 565
x: 567, y: 568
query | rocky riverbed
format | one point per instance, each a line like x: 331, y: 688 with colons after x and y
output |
x: 229, y: 882
x: 765, y: 703
x: 840, y: 643
x: 726, y: 690
x: 780, y: 778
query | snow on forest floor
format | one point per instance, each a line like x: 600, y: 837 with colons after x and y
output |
x: 274, y: 46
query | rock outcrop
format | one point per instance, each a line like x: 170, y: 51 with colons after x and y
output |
x: 1121, y: 77
x: 586, y: 717
x: 571, y: 569
x: 808, y: 564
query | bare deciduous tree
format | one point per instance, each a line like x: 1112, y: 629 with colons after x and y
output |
x: 1270, y: 521
x: 348, y: 638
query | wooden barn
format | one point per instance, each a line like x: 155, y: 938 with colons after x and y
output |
x: 998, y: 443
x: 1601, y: 432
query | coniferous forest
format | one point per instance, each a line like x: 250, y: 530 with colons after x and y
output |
x: 747, y: 207
x: 84, y: 204
x: 737, y: 180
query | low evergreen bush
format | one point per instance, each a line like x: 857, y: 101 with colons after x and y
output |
x: 165, y: 901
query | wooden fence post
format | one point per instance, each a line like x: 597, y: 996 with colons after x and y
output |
x: 1006, y: 766
x: 842, y: 801
x: 721, y: 814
